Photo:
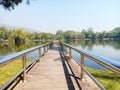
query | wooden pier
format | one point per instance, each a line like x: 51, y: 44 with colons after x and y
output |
x: 54, y: 72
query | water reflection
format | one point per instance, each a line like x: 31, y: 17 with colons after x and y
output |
x: 109, y: 49
x: 90, y: 43
x: 106, y: 48
x: 6, y: 49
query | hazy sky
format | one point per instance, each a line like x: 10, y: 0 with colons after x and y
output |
x: 53, y: 15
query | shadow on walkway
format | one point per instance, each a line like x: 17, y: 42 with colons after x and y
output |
x: 67, y: 74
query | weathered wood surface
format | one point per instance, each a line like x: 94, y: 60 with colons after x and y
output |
x: 53, y: 73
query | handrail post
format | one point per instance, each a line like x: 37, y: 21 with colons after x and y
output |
x: 61, y: 46
x: 44, y: 49
x: 39, y: 54
x: 47, y: 47
x: 82, y: 65
x: 24, y: 69
x: 51, y: 45
x: 70, y: 51
x: 65, y: 48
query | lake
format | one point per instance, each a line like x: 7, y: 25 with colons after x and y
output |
x: 108, y: 48
x: 6, y: 49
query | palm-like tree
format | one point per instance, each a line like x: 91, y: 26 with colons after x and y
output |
x: 19, y: 36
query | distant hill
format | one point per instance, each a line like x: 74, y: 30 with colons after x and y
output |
x: 4, y: 25
x: 14, y: 27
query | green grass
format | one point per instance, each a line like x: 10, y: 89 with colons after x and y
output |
x: 9, y: 70
x: 108, y: 79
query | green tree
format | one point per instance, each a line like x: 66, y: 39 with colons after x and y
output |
x: 4, y: 33
x: 85, y: 33
x: 19, y: 36
x: 116, y: 33
x: 104, y: 34
x: 60, y: 35
x: 10, y: 4
x: 81, y: 36
x: 96, y: 35
x: 50, y: 36
x: 90, y: 33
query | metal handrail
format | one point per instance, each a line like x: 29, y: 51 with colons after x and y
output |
x: 25, y: 69
x: 111, y: 65
x: 10, y: 57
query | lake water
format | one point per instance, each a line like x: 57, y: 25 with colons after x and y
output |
x: 6, y: 49
x: 109, y: 49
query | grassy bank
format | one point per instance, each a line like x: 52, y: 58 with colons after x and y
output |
x: 109, y: 80
x: 9, y: 70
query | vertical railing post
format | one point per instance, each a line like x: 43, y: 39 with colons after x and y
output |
x: 61, y: 47
x: 24, y: 68
x: 47, y: 47
x: 82, y: 65
x: 50, y: 45
x: 70, y: 51
x: 65, y: 48
x: 44, y: 49
x: 39, y: 54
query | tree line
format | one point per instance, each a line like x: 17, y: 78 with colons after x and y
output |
x: 19, y: 35
x: 88, y: 34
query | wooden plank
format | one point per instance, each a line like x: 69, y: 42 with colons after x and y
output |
x: 48, y: 74
x: 54, y: 73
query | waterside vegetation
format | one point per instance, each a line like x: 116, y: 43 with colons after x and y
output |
x: 88, y: 34
x: 108, y: 79
x: 20, y: 36
x: 9, y: 70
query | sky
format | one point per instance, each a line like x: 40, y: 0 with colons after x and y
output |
x: 53, y: 15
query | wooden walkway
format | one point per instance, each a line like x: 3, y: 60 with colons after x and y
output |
x: 52, y: 73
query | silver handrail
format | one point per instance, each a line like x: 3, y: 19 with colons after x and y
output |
x: 10, y: 57
x: 23, y: 72
x: 111, y: 65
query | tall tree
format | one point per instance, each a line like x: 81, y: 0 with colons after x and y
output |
x: 116, y: 33
x: 19, y: 36
x: 3, y: 33
x: 84, y: 32
x: 10, y: 4
x: 90, y: 33
x: 60, y: 35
